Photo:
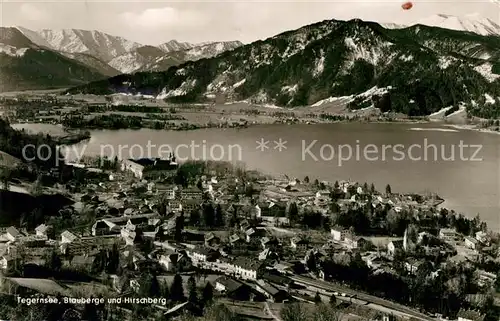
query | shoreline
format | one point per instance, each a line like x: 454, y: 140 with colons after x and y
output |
x: 196, y: 126
x: 472, y: 128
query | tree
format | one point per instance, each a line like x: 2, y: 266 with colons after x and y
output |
x: 165, y: 292
x: 311, y: 262
x: 306, y: 179
x: 372, y: 188
x: 316, y: 182
x: 208, y: 293
x: 113, y: 259
x: 219, y: 216
x: 293, y: 212
x: 294, y: 312
x: 177, y: 289
x: 193, y: 294
x: 194, y: 218
x: 388, y: 189
x: 53, y: 261
x: 333, y: 300
x: 5, y: 176
x: 179, y: 227
x: 324, y: 312
x: 155, y: 288
x: 36, y: 187
x: 208, y: 215
x: 317, y: 298
x: 220, y: 312
x: 149, y: 286
x: 90, y: 312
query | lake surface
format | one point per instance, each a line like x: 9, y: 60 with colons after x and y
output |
x: 411, y: 163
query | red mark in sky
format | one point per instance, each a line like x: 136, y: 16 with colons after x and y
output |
x: 407, y: 5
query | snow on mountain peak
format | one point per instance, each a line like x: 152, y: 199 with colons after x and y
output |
x: 472, y: 22
x: 96, y: 43
x: 174, y: 45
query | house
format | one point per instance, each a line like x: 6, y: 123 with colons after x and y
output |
x: 448, y: 234
x: 12, y: 234
x: 68, y: 237
x: 175, y: 206
x: 232, y: 288
x: 354, y: 241
x: 470, y: 315
x: 175, y: 262
x: 338, y: 233
x: 271, y: 292
x: 211, y: 239
x: 372, y: 260
x: 103, y: 227
x: 471, y: 243
x: 191, y: 193
x: 322, y: 198
x: 256, y: 212
x: 169, y: 261
x: 34, y: 241
x: 250, y: 234
x: 244, y: 225
x: 482, y: 237
x: 129, y: 234
x: 9, y: 263
x: 299, y: 244
x: 170, y: 192
x: 276, y: 220
x: 191, y: 204
x: 43, y: 230
x: 412, y: 265
x: 270, y: 243
x: 133, y: 167
x: 237, y: 242
x: 275, y: 278
x: 485, y: 278
x: 202, y: 254
x: 394, y: 247
x: 271, y: 210
x: 246, y: 268
x: 151, y: 231
x: 140, y: 221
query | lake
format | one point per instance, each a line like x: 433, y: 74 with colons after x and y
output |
x: 462, y: 166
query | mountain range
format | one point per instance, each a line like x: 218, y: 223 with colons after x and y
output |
x: 25, y: 65
x: 416, y: 70
x: 470, y: 22
x: 94, y: 54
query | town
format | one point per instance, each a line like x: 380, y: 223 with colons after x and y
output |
x: 213, y: 238
x: 121, y: 112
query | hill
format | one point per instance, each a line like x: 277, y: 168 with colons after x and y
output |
x: 421, y: 69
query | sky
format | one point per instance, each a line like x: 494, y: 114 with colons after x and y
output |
x: 155, y: 22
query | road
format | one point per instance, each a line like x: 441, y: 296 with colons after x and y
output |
x: 372, y: 300
x: 268, y: 310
